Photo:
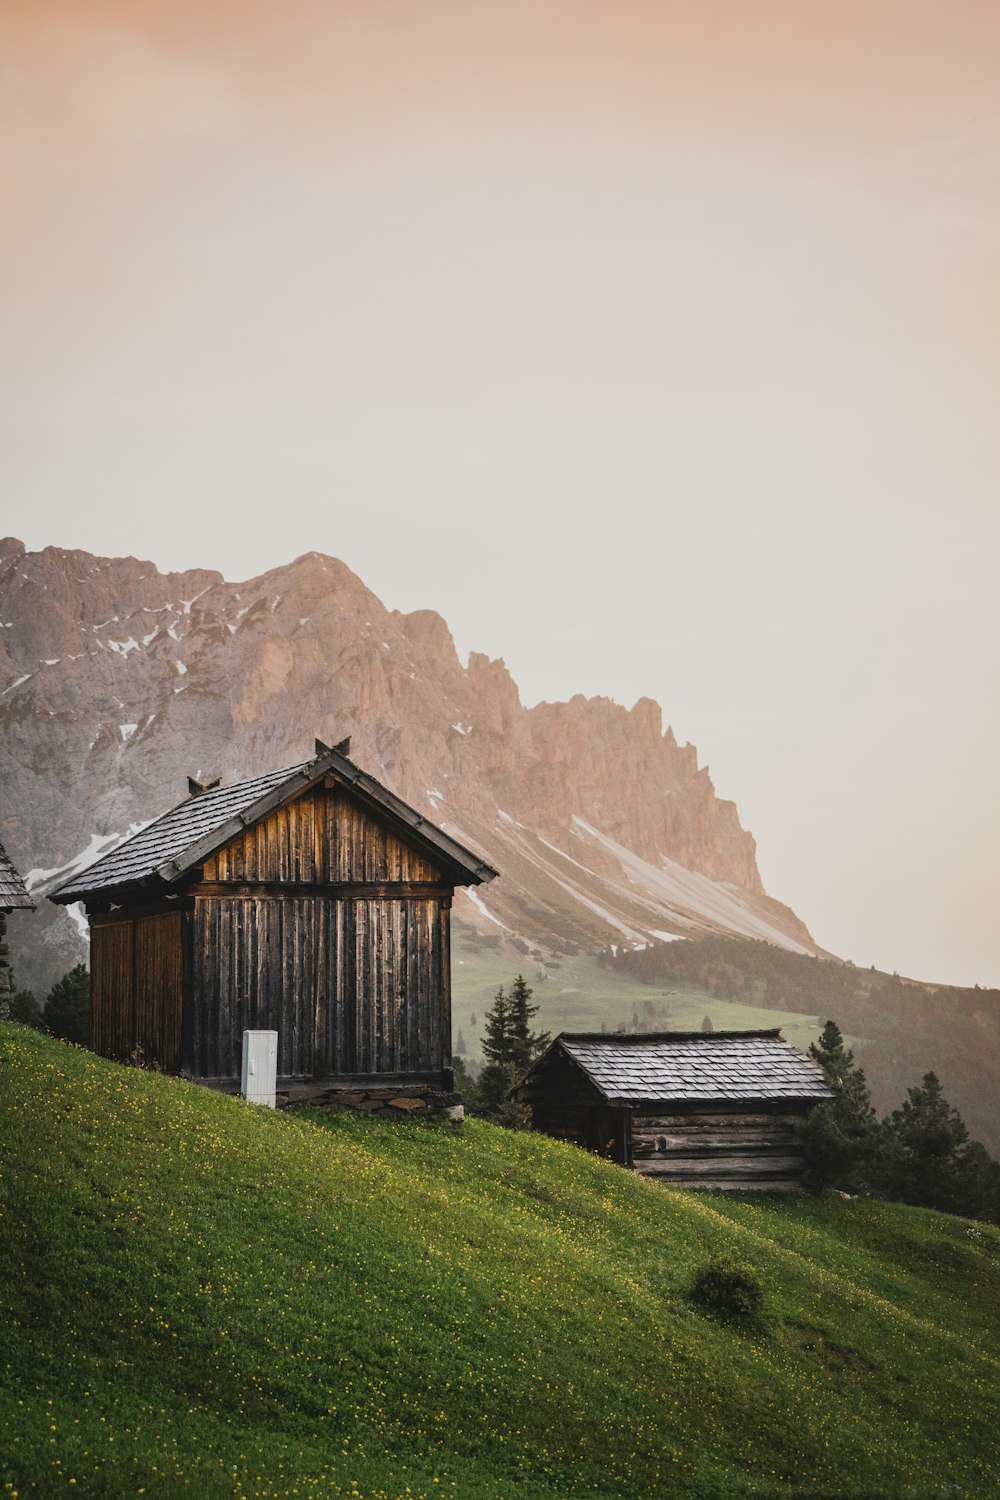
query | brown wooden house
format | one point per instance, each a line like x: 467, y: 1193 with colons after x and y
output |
x: 14, y: 896
x: 693, y: 1109
x: 310, y: 901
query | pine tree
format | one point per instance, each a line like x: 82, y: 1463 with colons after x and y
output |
x: 67, y: 1009
x: 526, y: 1045
x: 491, y: 1086
x: 930, y: 1160
x: 510, y: 1047
x: 497, y: 1039
x: 841, y: 1135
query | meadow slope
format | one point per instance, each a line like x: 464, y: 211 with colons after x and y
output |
x: 206, y: 1299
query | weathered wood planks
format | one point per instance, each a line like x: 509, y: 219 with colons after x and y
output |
x: 137, y: 988
x: 319, y: 921
x: 320, y: 838
x: 721, y: 1148
x: 351, y: 986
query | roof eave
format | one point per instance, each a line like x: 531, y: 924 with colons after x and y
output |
x: 466, y: 868
x: 556, y: 1045
x: 173, y: 870
x: 437, y: 841
x: 70, y: 895
x: 712, y: 1101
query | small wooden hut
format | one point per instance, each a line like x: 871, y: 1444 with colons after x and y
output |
x: 14, y: 896
x: 310, y: 901
x: 695, y: 1109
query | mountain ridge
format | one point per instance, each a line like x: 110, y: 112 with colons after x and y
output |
x: 117, y: 681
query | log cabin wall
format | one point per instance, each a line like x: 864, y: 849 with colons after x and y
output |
x: 320, y: 923
x: 568, y: 1107
x: 720, y: 1146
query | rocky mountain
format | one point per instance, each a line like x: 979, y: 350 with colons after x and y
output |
x: 118, y: 681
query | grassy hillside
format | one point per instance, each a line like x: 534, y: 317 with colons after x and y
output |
x: 201, y: 1298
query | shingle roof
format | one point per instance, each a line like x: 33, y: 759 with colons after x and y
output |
x: 170, y: 835
x: 166, y: 849
x: 695, y: 1065
x: 13, y: 891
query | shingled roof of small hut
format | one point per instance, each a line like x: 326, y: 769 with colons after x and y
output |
x: 685, y: 1066
x: 163, y: 852
x: 14, y: 893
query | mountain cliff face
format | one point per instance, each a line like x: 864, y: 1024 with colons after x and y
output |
x: 117, y: 681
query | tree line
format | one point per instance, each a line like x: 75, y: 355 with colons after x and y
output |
x: 65, y: 1011
x: 920, y: 1153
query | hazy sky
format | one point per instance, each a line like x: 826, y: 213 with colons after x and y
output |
x: 655, y: 345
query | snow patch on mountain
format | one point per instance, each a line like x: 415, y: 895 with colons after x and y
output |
x: 480, y: 906
x: 691, y: 899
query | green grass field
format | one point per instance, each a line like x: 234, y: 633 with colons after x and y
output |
x: 202, y: 1298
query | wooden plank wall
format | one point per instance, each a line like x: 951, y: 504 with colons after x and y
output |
x: 720, y: 1147
x: 321, y: 838
x: 136, y: 987
x: 159, y: 992
x: 352, y: 986
x: 112, y: 1031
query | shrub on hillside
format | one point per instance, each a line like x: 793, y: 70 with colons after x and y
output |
x: 26, y: 1009
x: 728, y: 1291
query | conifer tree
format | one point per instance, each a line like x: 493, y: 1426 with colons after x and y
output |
x: 67, y: 1009
x: 841, y: 1135
x: 930, y: 1160
x: 525, y: 1044
x: 510, y: 1047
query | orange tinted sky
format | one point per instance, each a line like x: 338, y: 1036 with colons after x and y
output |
x: 654, y: 345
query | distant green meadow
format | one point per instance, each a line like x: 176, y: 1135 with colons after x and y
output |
x: 576, y: 992
x: 204, y: 1298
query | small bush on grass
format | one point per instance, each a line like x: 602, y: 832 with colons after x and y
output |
x: 729, y: 1292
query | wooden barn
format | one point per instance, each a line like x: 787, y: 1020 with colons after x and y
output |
x: 13, y: 897
x: 693, y: 1109
x: 310, y: 901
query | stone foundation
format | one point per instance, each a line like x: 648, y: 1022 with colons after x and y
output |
x: 416, y: 1100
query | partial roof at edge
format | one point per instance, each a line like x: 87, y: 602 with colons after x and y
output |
x: 14, y: 894
x: 690, y: 1066
x: 165, y: 850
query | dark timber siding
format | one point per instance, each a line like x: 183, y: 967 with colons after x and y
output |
x: 137, y: 982
x: 692, y: 1109
x: 350, y: 986
x: 318, y: 922
x: 721, y: 1146
x: 320, y: 839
